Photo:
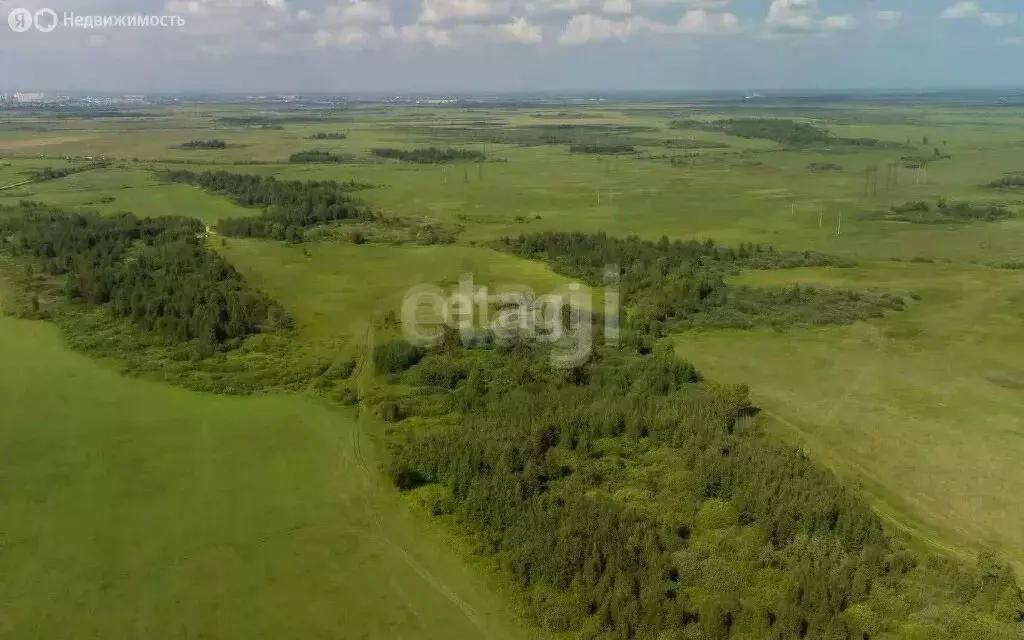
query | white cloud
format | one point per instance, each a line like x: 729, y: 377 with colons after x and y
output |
x: 353, y: 37
x: 617, y: 7
x: 803, y: 16
x: 435, y: 11
x: 226, y: 25
x: 548, y: 7
x: 962, y: 11
x: 969, y: 10
x: 690, y: 4
x: 888, y: 19
x: 997, y: 20
x: 357, y: 12
x: 587, y: 28
x: 706, y: 22
x: 418, y: 34
x: 517, y: 31
x: 838, y: 23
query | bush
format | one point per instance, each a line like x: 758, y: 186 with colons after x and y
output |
x: 204, y: 144
x: 395, y: 356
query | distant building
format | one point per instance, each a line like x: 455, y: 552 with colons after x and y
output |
x: 23, y: 98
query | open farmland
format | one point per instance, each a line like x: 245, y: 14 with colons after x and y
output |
x: 282, y: 496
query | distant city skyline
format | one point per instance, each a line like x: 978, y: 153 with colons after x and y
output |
x: 460, y: 46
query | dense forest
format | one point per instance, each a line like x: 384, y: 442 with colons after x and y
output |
x: 289, y: 206
x: 155, y: 272
x: 681, y: 285
x: 921, y: 212
x: 787, y: 132
x: 628, y: 498
x: 430, y: 155
x: 317, y: 157
x: 597, y: 148
x: 204, y: 144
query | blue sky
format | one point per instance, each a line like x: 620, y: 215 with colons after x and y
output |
x: 520, y: 45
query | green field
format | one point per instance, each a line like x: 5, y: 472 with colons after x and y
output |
x: 151, y: 511
x: 136, y: 509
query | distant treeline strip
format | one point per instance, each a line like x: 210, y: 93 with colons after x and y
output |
x: 204, y: 144
x: 279, y: 119
x: 787, y: 132
x: 681, y: 285
x: 289, y: 206
x: 430, y: 155
x: 49, y: 173
x: 318, y: 157
x: 921, y: 212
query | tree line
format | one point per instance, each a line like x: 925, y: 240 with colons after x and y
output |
x: 155, y: 272
x: 790, y: 133
x: 682, y: 284
x: 204, y: 144
x: 288, y: 206
x: 599, y: 148
x: 922, y: 212
x: 317, y: 157
x: 430, y: 155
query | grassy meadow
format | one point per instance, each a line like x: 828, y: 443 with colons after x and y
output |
x: 135, y: 509
x: 150, y: 511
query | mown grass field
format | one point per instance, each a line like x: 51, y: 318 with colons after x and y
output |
x: 134, y: 509
x: 922, y: 409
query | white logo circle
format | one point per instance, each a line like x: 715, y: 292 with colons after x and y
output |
x: 44, y: 25
x: 20, y: 20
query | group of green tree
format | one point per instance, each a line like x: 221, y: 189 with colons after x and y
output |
x: 790, y: 133
x: 559, y: 134
x: 1010, y: 181
x: 276, y: 120
x: 672, y: 285
x: 288, y: 206
x: 204, y: 144
x: 318, y: 157
x: 629, y: 498
x: 334, y: 135
x: 922, y: 212
x: 430, y: 155
x: 155, y: 272
x: 49, y: 173
x: 602, y: 148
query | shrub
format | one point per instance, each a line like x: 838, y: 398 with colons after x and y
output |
x: 395, y: 356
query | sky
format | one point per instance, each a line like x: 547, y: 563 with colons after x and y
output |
x: 462, y: 46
